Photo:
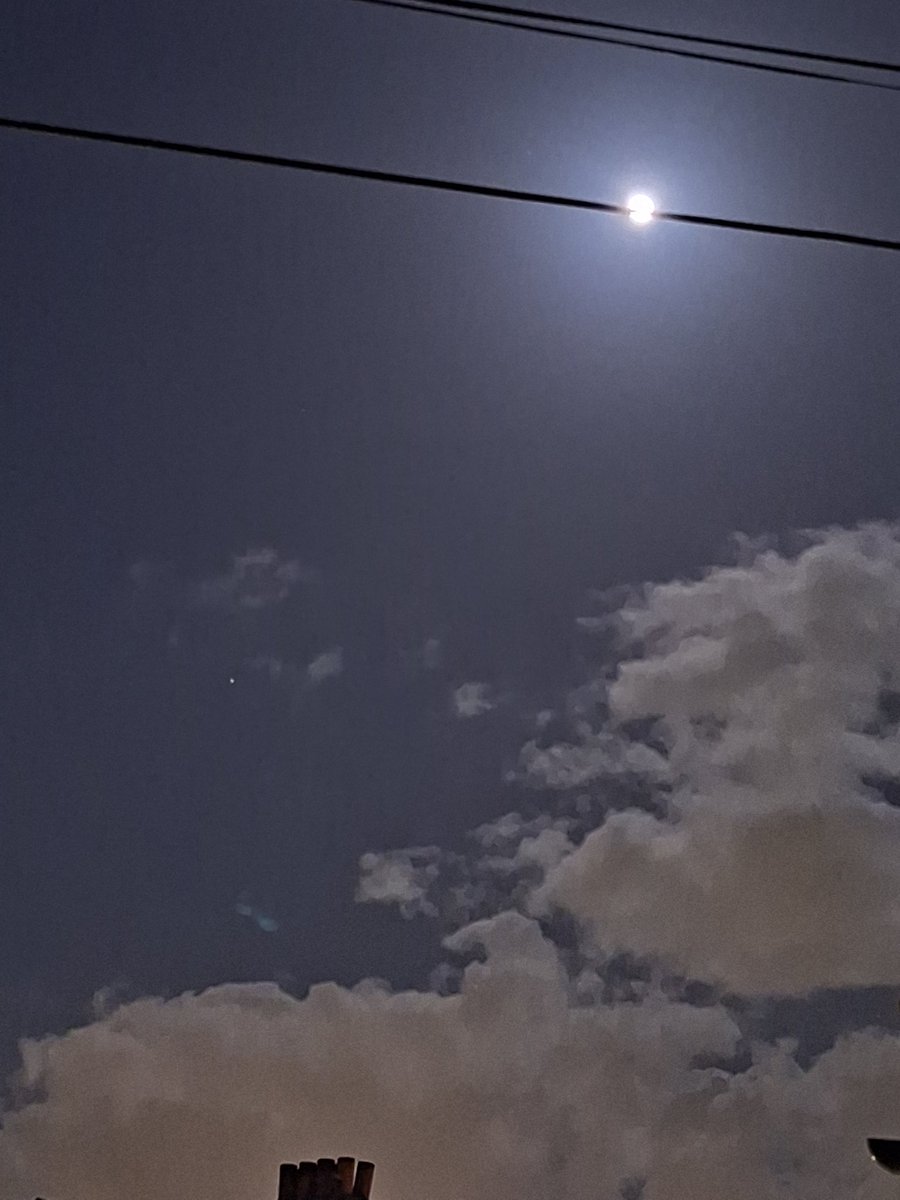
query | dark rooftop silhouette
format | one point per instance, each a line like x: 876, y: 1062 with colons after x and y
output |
x: 326, y: 1179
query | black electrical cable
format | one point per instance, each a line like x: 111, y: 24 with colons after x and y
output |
x: 676, y: 52
x: 438, y: 185
x: 699, y: 39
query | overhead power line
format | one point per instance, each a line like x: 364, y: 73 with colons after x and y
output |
x: 698, y: 39
x: 436, y: 185
x: 512, y: 22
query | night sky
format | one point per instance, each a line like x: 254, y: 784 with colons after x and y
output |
x: 306, y: 480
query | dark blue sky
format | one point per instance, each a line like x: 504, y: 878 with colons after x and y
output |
x: 462, y: 413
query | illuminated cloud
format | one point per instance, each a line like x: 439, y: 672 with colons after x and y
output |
x: 256, y: 580
x: 510, y: 1088
x: 327, y: 665
x: 730, y: 781
x: 205, y: 1095
x: 720, y: 812
x: 775, y: 864
x: 472, y: 700
x: 400, y: 877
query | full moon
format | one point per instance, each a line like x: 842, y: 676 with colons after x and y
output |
x: 640, y: 209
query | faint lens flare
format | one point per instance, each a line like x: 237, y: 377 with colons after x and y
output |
x: 260, y: 919
x: 640, y: 209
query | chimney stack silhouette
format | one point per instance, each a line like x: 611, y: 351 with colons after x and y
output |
x: 327, y: 1179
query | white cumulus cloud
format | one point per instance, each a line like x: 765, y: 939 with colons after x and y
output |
x: 721, y: 813
x: 776, y: 866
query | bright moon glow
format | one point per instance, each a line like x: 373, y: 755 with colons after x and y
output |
x: 641, y: 209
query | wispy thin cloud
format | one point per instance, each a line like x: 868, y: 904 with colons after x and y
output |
x: 256, y: 580
x: 327, y: 665
x: 473, y: 700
